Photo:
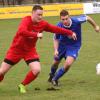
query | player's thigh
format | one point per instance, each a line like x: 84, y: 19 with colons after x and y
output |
x: 69, y: 61
x: 13, y: 56
x: 31, y: 55
x: 32, y: 59
x: 72, y: 52
x: 71, y: 55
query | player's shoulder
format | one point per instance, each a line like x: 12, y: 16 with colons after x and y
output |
x: 59, y: 24
x: 74, y: 18
x: 27, y: 18
x: 44, y: 22
x: 77, y: 17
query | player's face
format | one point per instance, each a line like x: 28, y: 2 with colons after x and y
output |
x: 65, y: 20
x: 37, y: 15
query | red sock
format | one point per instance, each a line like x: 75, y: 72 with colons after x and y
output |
x: 1, y: 77
x: 29, y: 78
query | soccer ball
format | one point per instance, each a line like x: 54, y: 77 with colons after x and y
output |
x: 98, y: 69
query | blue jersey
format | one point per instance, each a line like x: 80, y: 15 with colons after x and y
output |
x: 75, y: 27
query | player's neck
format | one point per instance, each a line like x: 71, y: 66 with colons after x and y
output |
x: 33, y: 20
x: 69, y: 25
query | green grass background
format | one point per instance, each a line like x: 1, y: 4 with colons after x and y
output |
x: 80, y: 83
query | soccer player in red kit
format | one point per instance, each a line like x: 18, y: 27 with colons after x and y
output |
x: 24, y: 45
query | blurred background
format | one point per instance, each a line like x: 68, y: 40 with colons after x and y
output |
x: 29, y: 2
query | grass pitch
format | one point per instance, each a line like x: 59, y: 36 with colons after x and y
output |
x: 80, y: 83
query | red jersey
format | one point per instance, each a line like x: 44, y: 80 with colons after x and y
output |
x: 26, y: 36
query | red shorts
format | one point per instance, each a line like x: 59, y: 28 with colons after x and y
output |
x: 15, y: 56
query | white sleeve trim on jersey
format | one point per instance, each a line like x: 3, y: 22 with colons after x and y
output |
x: 80, y: 19
x: 86, y: 17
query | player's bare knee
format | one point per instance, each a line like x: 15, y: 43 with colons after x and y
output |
x: 68, y: 64
x: 36, y: 71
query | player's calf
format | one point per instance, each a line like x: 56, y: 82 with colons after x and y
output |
x: 50, y: 77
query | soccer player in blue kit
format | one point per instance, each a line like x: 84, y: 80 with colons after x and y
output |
x: 66, y: 47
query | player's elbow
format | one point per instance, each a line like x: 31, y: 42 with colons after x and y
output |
x: 88, y: 18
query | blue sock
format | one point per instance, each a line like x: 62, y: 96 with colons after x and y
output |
x: 53, y: 70
x: 59, y: 74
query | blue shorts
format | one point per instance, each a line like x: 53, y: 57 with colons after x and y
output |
x: 65, y: 51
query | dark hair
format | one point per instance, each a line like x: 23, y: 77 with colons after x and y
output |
x: 37, y: 7
x: 64, y: 12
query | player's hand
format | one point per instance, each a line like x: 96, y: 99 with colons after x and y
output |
x: 74, y: 36
x: 97, y: 28
x: 56, y: 53
x: 40, y: 35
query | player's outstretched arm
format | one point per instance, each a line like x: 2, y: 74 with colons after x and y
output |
x: 58, y: 30
x: 93, y: 23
